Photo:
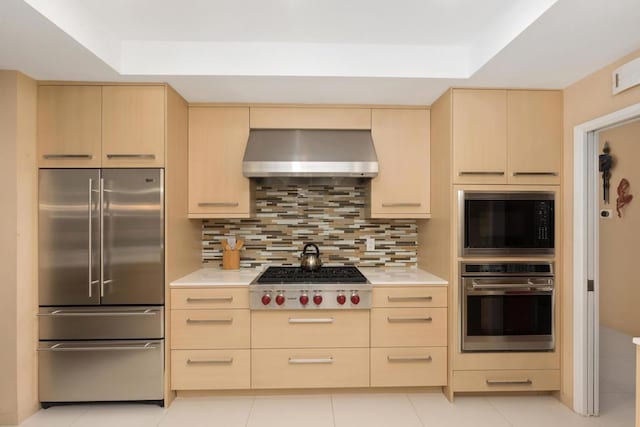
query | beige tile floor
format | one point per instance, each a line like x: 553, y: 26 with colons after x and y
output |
x: 343, y: 410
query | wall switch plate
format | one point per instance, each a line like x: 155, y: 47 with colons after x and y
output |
x: 606, y: 213
x: 371, y: 244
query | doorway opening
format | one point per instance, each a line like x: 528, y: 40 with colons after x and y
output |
x: 604, y: 289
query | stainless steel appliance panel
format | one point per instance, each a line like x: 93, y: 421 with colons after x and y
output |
x: 133, y: 236
x: 109, y: 322
x: 87, y: 371
x: 69, y: 237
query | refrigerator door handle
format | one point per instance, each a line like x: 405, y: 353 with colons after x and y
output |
x: 101, y: 237
x: 65, y: 313
x: 90, y: 236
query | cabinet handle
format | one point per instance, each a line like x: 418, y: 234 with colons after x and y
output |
x: 400, y: 205
x: 461, y: 173
x: 318, y: 320
x: 219, y: 204
x: 409, y: 298
x: 535, y: 173
x: 131, y: 156
x: 293, y: 361
x: 409, y: 319
x: 226, y: 320
x: 225, y: 361
x: 525, y: 381
x: 67, y: 156
x: 210, y: 299
x: 409, y: 359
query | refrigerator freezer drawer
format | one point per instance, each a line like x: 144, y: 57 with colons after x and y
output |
x: 92, y: 371
x: 113, y: 322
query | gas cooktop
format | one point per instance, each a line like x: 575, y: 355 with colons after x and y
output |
x: 324, y: 288
x: 285, y: 275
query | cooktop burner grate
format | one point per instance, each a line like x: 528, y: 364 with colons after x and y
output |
x: 283, y: 275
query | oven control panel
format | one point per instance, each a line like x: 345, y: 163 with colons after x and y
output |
x: 308, y: 298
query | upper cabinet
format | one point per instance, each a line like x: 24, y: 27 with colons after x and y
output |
x: 133, y: 126
x: 310, y: 118
x: 534, y: 133
x: 217, y: 139
x: 480, y: 136
x: 401, y: 139
x: 69, y: 126
x: 506, y: 136
x: 101, y: 126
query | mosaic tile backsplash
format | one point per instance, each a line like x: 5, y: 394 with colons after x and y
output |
x: 332, y: 216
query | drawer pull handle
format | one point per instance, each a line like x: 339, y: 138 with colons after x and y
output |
x: 218, y: 204
x: 210, y: 299
x: 535, y: 174
x: 223, y: 361
x: 116, y: 347
x: 409, y: 359
x: 227, y: 320
x: 131, y: 156
x: 409, y: 319
x: 67, y: 156
x: 66, y: 313
x: 400, y: 205
x: 293, y: 361
x: 318, y: 320
x: 409, y: 298
x: 461, y: 173
x: 526, y: 381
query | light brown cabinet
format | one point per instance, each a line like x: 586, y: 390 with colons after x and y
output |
x: 69, y: 126
x: 217, y: 140
x: 506, y: 136
x: 409, y: 336
x: 210, y: 339
x: 480, y: 136
x: 402, y: 187
x: 534, y: 134
x: 133, y: 126
x: 101, y: 126
x: 310, y: 118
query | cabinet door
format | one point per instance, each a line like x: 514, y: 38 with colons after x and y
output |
x: 69, y: 126
x: 479, y: 136
x: 217, y: 139
x: 535, y: 136
x: 310, y: 118
x: 133, y: 126
x: 401, y: 139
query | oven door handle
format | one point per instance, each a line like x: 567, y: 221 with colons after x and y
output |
x: 502, y: 286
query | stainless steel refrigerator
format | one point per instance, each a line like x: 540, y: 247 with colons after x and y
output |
x: 101, y: 285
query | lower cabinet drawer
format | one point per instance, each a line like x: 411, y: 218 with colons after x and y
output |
x: 518, y: 380
x: 210, y: 329
x: 408, y: 327
x: 408, y: 366
x: 310, y: 368
x: 210, y: 369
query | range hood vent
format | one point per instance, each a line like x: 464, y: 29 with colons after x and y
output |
x: 309, y: 153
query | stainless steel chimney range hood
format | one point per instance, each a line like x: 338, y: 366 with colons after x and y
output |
x: 309, y: 153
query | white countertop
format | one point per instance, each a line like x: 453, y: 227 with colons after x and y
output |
x: 378, y: 276
x: 636, y: 340
x: 217, y: 277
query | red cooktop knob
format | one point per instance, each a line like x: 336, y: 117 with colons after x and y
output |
x: 266, y: 299
x: 304, y: 300
x: 341, y: 299
x: 280, y: 299
x: 317, y: 299
x: 355, y: 299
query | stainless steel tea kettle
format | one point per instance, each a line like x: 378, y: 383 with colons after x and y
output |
x: 308, y: 260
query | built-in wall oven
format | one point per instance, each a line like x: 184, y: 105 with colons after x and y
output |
x: 506, y: 223
x: 507, y: 306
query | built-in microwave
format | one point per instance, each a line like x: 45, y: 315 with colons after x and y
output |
x: 506, y: 223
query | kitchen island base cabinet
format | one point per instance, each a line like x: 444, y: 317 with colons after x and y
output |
x: 506, y: 380
x: 408, y: 366
x: 210, y: 369
x: 310, y: 368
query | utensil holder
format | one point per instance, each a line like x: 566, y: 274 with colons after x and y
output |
x: 231, y: 259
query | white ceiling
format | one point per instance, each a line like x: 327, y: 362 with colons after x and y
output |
x: 330, y: 51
